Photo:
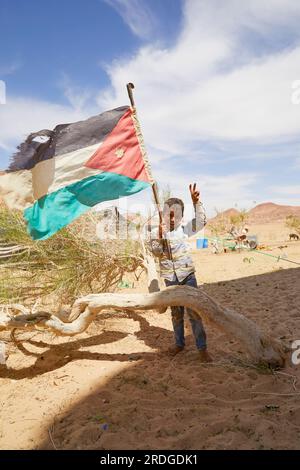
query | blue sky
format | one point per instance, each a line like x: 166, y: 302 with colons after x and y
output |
x: 72, y: 38
x: 213, y: 85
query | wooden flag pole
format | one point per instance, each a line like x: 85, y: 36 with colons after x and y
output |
x: 130, y: 87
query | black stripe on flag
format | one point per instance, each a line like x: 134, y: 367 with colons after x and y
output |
x: 66, y: 138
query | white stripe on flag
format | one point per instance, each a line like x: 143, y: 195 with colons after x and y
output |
x: 62, y: 170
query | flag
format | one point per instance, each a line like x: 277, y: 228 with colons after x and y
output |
x: 80, y: 165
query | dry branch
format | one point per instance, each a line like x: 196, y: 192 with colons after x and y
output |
x: 261, y: 347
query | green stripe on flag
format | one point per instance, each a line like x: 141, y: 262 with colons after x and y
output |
x: 56, y: 210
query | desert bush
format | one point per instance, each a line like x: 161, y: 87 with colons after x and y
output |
x: 293, y: 223
x: 239, y: 219
x: 66, y: 265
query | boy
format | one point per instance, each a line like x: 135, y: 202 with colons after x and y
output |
x: 176, y: 264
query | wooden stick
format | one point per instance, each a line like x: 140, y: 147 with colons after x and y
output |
x: 130, y: 87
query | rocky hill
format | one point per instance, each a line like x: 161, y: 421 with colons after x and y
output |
x: 270, y: 212
x: 266, y: 212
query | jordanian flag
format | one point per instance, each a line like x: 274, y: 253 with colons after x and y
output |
x: 80, y: 165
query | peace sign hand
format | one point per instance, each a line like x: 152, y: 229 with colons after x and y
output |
x: 195, y: 194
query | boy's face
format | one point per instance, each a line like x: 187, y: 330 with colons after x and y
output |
x: 172, y: 216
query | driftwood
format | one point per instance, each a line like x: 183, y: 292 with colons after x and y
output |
x: 261, y: 347
x: 8, y: 250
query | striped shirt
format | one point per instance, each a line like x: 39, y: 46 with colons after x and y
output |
x: 181, y: 264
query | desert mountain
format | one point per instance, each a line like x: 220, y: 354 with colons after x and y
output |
x: 270, y: 212
x: 262, y: 213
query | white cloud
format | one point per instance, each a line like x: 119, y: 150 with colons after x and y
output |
x: 232, y: 15
x: 210, y: 85
x: 77, y: 96
x: 287, y: 190
x: 217, y: 191
x: 136, y: 14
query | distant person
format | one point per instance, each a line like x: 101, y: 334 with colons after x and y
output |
x: 245, y: 230
x: 178, y: 269
x: 215, y: 247
x: 239, y: 234
x: 243, y: 234
x: 233, y: 232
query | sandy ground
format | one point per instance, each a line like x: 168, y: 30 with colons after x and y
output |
x: 113, y: 387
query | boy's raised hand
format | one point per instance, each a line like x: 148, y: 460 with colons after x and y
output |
x: 195, y: 194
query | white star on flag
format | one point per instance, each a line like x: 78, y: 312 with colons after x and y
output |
x: 119, y: 152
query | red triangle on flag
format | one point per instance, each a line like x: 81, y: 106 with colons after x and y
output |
x: 120, y: 152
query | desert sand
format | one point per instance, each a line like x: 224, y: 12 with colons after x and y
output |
x: 114, y: 387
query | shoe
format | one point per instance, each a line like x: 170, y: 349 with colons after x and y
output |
x: 204, y: 356
x: 173, y: 350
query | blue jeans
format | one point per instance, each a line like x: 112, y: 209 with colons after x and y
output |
x: 178, y: 317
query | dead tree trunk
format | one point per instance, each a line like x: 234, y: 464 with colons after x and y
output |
x: 261, y: 347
